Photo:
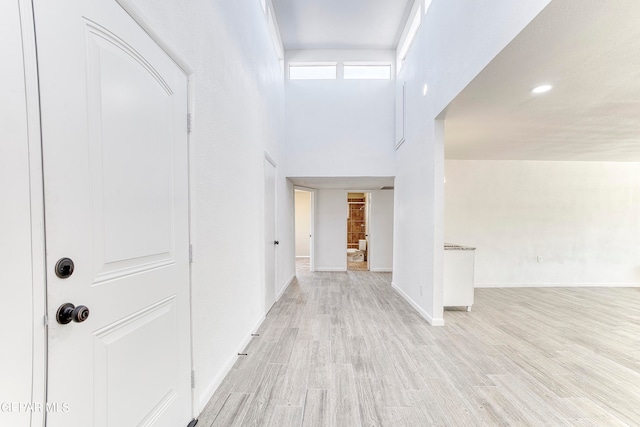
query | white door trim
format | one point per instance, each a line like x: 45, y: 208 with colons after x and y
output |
x: 368, y: 236
x: 270, y: 160
x: 273, y: 163
x: 368, y: 222
x: 312, y: 226
x: 38, y: 252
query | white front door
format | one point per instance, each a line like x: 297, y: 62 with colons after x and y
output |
x: 270, y: 234
x: 114, y: 133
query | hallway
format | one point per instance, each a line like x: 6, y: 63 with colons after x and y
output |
x: 344, y: 349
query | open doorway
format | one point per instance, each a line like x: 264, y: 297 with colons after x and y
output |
x: 303, y: 217
x: 358, y: 231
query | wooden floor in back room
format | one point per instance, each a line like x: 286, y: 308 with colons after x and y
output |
x: 344, y: 349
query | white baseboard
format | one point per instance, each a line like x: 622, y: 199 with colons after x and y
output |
x: 557, y: 285
x: 284, y: 288
x: 438, y: 322
x: 208, y: 392
x: 330, y: 269
x: 423, y: 313
x: 381, y: 270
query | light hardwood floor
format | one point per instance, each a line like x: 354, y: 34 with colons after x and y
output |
x: 357, y: 266
x: 344, y: 349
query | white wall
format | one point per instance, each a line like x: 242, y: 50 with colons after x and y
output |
x: 339, y: 127
x: 456, y: 40
x: 582, y: 218
x: 303, y: 223
x: 381, y: 231
x: 331, y: 230
x: 238, y: 103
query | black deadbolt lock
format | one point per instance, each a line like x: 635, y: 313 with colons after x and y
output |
x: 64, y: 268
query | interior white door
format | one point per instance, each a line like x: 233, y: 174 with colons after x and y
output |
x: 114, y: 108
x: 270, y: 234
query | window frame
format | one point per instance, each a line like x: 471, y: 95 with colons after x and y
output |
x: 376, y: 64
x: 310, y: 65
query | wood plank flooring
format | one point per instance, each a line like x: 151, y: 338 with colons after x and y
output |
x: 357, y: 266
x: 344, y: 349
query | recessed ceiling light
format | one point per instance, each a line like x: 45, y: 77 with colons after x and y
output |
x: 541, y: 89
x: 425, y: 88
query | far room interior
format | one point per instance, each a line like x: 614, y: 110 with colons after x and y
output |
x: 339, y: 225
x: 357, y: 230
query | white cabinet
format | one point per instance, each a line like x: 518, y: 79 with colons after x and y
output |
x: 458, y: 276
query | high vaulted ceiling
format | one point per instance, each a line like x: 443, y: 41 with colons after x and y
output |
x: 589, y: 50
x: 341, y: 24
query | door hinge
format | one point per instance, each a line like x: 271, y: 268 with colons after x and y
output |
x: 189, y: 122
x: 193, y: 379
x: 46, y: 320
x: 190, y: 253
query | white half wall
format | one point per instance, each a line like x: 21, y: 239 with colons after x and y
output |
x: 340, y: 127
x: 456, y: 40
x: 581, y: 218
x: 381, y: 231
x: 331, y: 230
x: 303, y: 223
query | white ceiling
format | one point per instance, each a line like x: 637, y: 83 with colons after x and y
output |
x: 341, y: 24
x: 589, y: 50
x: 346, y: 183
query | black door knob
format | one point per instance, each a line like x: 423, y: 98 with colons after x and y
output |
x: 69, y: 312
x: 275, y: 242
x: 64, y: 268
x: 80, y: 314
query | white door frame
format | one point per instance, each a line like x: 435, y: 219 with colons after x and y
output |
x: 273, y: 163
x: 312, y: 222
x: 368, y: 222
x: 312, y: 226
x: 367, y: 233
